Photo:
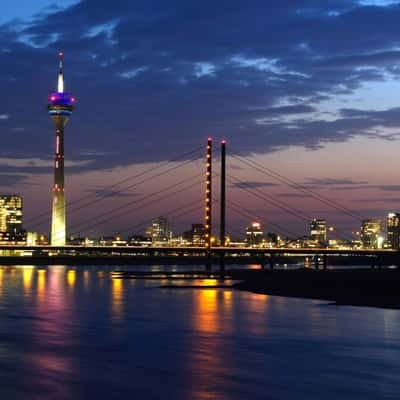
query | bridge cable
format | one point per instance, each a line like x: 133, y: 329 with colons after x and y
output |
x: 109, y: 187
x: 95, y: 221
x: 281, y: 205
x: 294, y: 185
x: 282, y: 230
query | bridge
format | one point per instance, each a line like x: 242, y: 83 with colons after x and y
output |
x: 209, y: 253
x: 183, y: 255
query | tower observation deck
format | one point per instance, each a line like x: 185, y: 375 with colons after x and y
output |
x: 60, y: 107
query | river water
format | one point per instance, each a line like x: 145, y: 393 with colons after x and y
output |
x: 79, y: 333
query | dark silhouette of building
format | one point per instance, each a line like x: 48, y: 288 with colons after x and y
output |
x: 196, y: 236
x: 393, y: 230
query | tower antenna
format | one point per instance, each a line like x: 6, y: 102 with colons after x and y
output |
x: 60, y: 87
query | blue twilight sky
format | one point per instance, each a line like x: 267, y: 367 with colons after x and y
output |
x: 26, y: 9
x: 309, y: 88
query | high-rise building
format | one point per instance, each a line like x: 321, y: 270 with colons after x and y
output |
x: 196, y: 236
x: 272, y: 239
x: 318, y: 231
x: 159, y: 231
x: 11, y: 213
x: 393, y: 230
x: 371, y: 233
x: 60, y: 107
x: 254, y: 234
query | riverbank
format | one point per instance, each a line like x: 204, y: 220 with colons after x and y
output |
x: 358, y: 287
x: 372, y: 288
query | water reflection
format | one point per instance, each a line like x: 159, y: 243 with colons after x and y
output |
x: 217, y: 317
x: 1, y: 281
x: 100, y: 281
x: 41, y: 285
x: 206, y: 316
x: 60, y: 340
x: 255, y: 318
x: 212, y: 319
x: 117, y: 298
x: 53, y: 328
x: 71, y: 278
x: 86, y: 279
x: 27, y: 277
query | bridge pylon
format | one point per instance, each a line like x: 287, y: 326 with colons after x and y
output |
x: 208, y: 207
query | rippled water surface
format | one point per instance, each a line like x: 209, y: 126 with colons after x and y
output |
x: 77, y: 333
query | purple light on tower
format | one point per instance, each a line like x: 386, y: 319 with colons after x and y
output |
x: 60, y: 107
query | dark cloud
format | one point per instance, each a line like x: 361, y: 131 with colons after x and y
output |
x: 385, y: 188
x: 294, y: 195
x: 333, y: 181
x: 12, y: 180
x: 379, y: 200
x: 350, y: 188
x: 378, y: 59
x: 286, y: 110
x: 153, y: 79
x: 106, y: 192
x: 252, y: 184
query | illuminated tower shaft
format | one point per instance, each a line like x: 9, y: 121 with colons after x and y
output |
x: 60, y: 109
x: 58, y: 228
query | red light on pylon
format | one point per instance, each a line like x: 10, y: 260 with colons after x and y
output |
x: 223, y: 141
x: 210, y: 139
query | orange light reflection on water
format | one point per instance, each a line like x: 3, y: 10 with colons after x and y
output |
x: 54, y: 327
x: 255, y: 318
x: 71, y: 278
x: 41, y: 284
x: 117, y: 298
x: 100, y: 281
x: 206, y: 319
x: 227, y: 299
x: 212, y: 320
x: 27, y: 277
x: 86, y: 278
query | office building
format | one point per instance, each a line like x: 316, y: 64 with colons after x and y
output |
x: 159, y: 231
x: 11, y: 213
x: 318, y: 232
x: 254, y: 234
x: 196, y: 236
x: 393, y: 230
x: 371, y: 234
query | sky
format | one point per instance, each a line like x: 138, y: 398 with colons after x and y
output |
x: 309, y: 89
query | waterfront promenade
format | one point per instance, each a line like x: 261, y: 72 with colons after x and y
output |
x: 266, y: 257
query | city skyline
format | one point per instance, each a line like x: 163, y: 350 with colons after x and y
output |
x: 153, y: 104
x: 219, y: 219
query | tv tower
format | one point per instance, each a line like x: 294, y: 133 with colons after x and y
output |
x: 59, y: 108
